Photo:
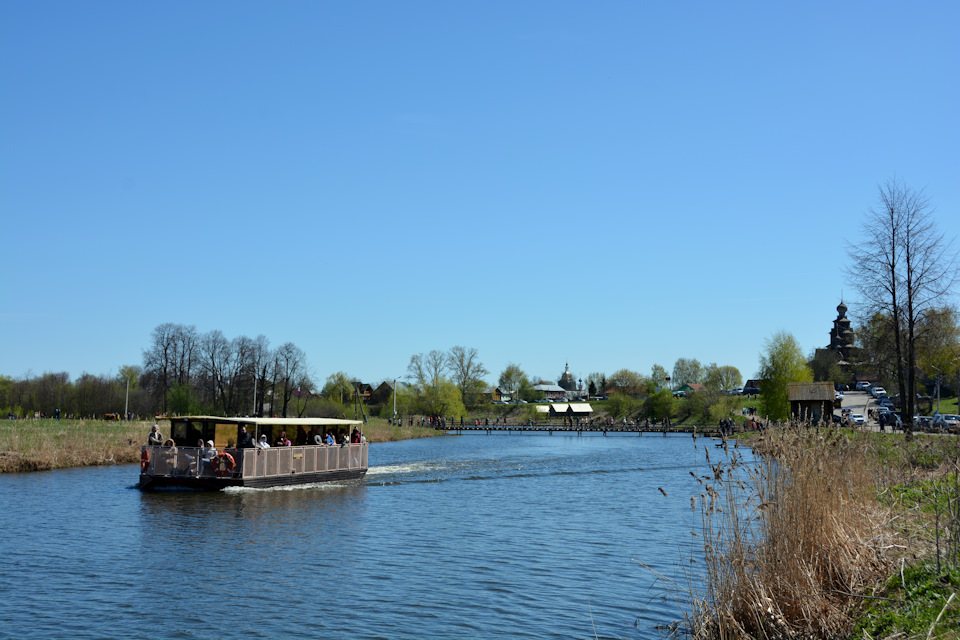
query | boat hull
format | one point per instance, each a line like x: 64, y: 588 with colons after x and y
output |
x: 153, y: 483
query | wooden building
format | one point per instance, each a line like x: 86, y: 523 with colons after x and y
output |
x: 811, y: 401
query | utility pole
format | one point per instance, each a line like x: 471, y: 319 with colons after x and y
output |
x: 938, y: 389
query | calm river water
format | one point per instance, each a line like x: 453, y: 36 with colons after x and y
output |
x: 474, y: 536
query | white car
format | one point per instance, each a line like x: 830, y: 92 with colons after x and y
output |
x: 857, y: 418
x: 863, y: 386
x: 876, y: 391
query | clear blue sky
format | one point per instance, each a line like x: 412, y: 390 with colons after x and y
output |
x: 613, y: 184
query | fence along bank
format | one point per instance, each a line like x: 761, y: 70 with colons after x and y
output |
x: 180, y: 463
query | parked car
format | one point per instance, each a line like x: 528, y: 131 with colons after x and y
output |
x: 951, y: 423
x: 863, y: 386
x: 751, y: 391
x: 842, y: 387
x: 857, y: 418
x: 876, y: 391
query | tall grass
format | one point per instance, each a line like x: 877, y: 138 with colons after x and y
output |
x: 796, y: 543
x: 41, y: 445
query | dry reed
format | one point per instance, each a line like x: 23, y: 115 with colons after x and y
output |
x: 790, y: 541
x: 42, y: 445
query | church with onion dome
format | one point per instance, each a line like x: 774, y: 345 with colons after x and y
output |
x: 842, y: 344
x: 567, y: 381
x: 841, y: 336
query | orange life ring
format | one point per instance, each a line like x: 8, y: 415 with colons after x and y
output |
x: 224, y: 464
x: 144, y: 460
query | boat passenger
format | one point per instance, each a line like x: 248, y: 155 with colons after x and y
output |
x: 155, y: 438
x: 330, y: 440
x: 318, y: 437
x: 210, y: 452
x: 355, y: 436
x: 283, y: 440
x: 244, y: 441
x: 263, y: 444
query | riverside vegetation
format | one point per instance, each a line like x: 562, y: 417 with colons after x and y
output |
x: 831, y: 534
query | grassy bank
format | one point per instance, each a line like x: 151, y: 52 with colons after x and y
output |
x: 43, y: 445
x: 832, y: 534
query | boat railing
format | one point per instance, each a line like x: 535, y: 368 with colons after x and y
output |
x: 257, y: 462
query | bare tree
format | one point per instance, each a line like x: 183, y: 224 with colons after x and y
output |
x: 428, y: 369
x: 468, y: 371
x: 902, y: 268
x: 291, y: 364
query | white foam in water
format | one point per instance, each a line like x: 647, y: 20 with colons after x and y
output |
x: 403, y: 468
x: 291, y: 487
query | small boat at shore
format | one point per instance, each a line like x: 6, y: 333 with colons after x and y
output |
x: 239, y: 462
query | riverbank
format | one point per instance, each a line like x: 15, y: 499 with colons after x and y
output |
x: 832, y: 534
x: 47, y: 444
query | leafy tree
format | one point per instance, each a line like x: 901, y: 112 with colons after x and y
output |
x: 781, y: 363
x: 598, y: 382
x: 660, y: 405
x: 938, y: 344
x: 658, y: 376
x: 441, y: 399
x: 721, y: 378
x: 621, y: 405
x: 825, y: 365
x: 513, y: 379
x: 686, y: 371
x: 877, y: 354
x: 627, y: 382
x: 339, y: 388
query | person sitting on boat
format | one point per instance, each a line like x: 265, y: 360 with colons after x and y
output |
x: 283, y: 441
x: 330, y: 440
x: 318, y: 437
x: 210, y: 452
x: 244, y: 441
x: 263, y: 444
x: 155, y: 438
x: 355, y: 436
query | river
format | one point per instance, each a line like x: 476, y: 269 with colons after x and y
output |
x: 475, y: 536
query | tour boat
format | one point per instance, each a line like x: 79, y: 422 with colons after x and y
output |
x: 292, y: 457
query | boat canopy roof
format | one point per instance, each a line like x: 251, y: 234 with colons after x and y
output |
x: 285, y: 422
